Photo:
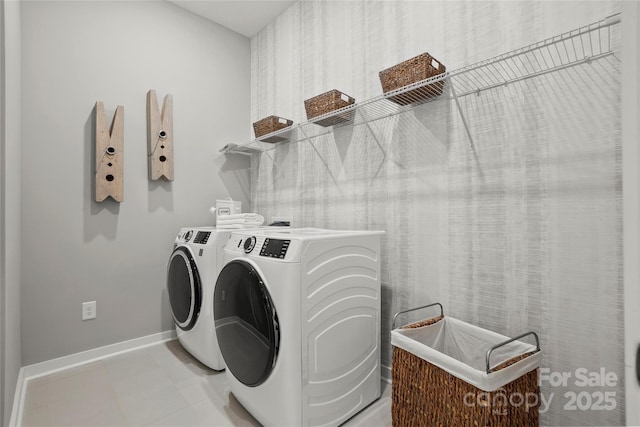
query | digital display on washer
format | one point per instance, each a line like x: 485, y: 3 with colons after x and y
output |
x: 202, y: 237
x: 275, y: 248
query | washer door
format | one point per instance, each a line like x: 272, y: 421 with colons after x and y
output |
x: 184, y: 288
x: 246, y: 323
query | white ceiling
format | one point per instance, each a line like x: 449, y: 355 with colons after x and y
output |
x: 246, y: 17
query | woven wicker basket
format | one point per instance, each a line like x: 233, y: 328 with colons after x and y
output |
x: 411, y: 71
x: 269, y: 125
x: 326, y: 103
x: 425, y: 395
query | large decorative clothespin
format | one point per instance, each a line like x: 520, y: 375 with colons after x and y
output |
x: 109, y: 154
x: 160, y: 137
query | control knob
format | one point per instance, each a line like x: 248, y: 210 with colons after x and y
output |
x: 249, y: 244
x: 187, y: 235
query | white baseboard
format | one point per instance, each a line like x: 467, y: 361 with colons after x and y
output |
x: 386, y: 373
x: 71, y: 361
x: 51, y: 366
x: 18, y: 401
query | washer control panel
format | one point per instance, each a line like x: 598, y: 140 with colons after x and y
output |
x: 202, y: 237
x: 189, y: 235
x: 275, y: 248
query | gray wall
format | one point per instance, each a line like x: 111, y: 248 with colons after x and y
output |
x: 75, y: 250
x: 521, y: 231
x: 10, y: 204
x: 10, y: 357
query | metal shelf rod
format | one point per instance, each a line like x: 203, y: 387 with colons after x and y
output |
x: 583, y: 45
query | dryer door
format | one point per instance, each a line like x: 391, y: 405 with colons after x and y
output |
x: 184, y: 288
x: 246, y: 323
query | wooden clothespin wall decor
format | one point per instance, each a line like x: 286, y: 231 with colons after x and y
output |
x: 109, y: 154
x: 160, y: 137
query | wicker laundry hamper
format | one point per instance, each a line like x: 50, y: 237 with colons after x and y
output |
x: 425, y: 394
x: 326, y: 103
x: 410, y: 72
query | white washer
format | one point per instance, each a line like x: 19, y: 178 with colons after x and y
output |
x: 191, y: 276
x: 297, y: 318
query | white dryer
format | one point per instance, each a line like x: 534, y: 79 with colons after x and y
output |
x: 297, y: 318
x: 191, y: 276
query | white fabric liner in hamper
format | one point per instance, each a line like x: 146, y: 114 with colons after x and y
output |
x: 461, y: 348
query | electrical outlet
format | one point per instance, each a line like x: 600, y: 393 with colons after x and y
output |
x: 88, y: 310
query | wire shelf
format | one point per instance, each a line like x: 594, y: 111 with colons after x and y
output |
x: 580, y: 46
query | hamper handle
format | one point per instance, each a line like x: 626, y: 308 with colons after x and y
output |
x: 510, y: 341
x: 393, y: 325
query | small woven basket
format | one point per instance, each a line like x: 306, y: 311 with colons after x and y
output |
x: 326, y: 103
x: 269, y: 125
x: 425, y: 395
x: 411, y: 71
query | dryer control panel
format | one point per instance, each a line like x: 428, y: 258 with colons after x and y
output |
x: 274, y: 248
x: 255, y: 245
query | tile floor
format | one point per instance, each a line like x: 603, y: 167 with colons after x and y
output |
x: 161, y: 385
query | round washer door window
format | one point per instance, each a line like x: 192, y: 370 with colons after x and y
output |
x: 246, y: 323
x: 184, y: 288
